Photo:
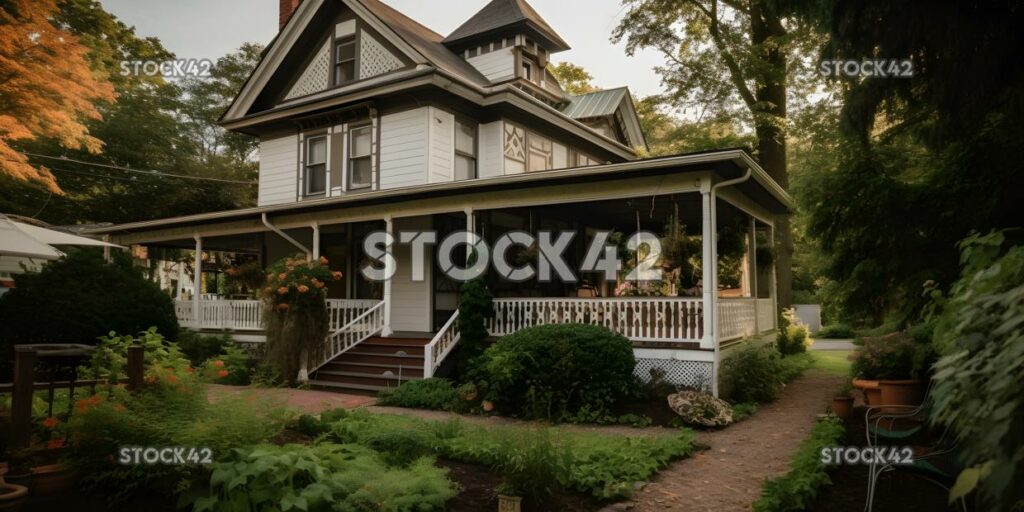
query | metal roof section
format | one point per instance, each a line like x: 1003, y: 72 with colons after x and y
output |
x: 502, y: 14
x: 595, y: 104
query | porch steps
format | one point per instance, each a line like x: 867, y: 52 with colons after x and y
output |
x: 376, y: 364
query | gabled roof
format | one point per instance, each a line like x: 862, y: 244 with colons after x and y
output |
x: 425, y: 41
x: 501, y: 14
x: 605, y: 104
x: 595, y: 104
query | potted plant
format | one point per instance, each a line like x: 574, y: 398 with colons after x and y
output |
x: 508, y: 503
x: 39, y: 469
x: 842, y: 403
x: 898, y: 364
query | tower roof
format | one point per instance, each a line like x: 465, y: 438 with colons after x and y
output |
x: 499, y: 15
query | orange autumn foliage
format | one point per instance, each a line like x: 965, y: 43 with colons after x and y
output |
x: 47, y: 87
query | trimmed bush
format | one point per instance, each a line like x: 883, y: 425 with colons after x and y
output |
x: 557, y: 372
x: 836, y: 331
x: 79, y: 298
x: 199, y: 347
x: 792, y: 337
x: 751, y: 374
x: 438, y: 394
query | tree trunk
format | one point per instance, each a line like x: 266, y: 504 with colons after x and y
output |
x: 769, y: 112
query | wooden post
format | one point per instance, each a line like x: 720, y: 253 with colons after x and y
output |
x: 136, y: 367
x: 21, y: 398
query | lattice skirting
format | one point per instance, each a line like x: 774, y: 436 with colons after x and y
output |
x: 693, y: 374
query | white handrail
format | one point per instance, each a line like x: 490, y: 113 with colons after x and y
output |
x: 441, y: 345
x: 351, y: 334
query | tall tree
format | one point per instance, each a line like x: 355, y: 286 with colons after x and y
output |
x: 47, y: 87
x: 731, y: 59
x: 574, y: 79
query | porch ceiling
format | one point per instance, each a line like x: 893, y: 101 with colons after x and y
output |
x: 722, y: 164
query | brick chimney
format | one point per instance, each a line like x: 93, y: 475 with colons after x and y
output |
x: 287, y: 8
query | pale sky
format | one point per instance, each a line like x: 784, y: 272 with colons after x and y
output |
x: 212, y: 28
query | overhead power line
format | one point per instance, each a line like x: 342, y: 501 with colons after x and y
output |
x: 140, y: 171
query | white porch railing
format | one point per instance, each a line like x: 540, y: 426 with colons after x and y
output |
x: 637, y: 318
x: 441, y: 345
x: 766, y: 317
x: 339, y: 341
x: 247, y: 315
x: 736, y: 318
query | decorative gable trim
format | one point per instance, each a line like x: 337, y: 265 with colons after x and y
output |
x: 281, y: 46
x: 374, y: 58
x: 317, y: 75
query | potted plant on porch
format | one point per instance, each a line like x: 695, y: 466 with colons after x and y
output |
x: 842, y: 403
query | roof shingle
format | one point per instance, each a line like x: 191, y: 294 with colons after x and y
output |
x: 500, y: 14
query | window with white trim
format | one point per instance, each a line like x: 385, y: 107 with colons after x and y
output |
x: 465, y: 150
x: 316, y: 165
x: 360, y: 155
x: 344, y: 60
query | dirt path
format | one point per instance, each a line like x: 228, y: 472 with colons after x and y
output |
x: 728, y: 476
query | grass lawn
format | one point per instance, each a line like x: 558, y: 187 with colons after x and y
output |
x: 835, y: 362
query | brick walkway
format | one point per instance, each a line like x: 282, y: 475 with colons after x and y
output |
x: 728, y: 476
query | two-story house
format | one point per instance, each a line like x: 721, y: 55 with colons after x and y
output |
x: 369, y: 121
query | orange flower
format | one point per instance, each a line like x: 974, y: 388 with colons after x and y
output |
x: 222, y: 373
x: 119, y: 408
x: 50, y: 422
x: 172, y: 379
x: 282, y: 307
x: 190, y: 370
x: 336, y: 275
x: 150, y: 379
x: 54, y: 444
x: 303, y: 288
x: 282, y: 290
x: 318, y: 284
x: 323, y: 260
x: 282, y: 276
x: 218, y: 364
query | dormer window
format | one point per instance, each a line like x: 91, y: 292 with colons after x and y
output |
x: 344, y: 60
x: 527, y: 71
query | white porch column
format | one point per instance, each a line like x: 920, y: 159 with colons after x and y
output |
x: 181, y: 277
x: 708, y: 256
x: 752, y: 267
x: 388, y: 262
x: 316, y: 240
x: 197, y: 281
x: 470, y: 229
x: 775, y: 279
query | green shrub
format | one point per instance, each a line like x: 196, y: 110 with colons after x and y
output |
x: 557, y: 371
x: 79, y: 298
x: 894, y: 356
x: 836, y: 331
x: 310, y: 425
x: 199, y: 348
x: 794, y: 366
x: 401, y: 447
x: 110, y: 359
x: 796, y: 490
x: 751, y: 374
x: 295, y: 312
x: 792, y: 337
x: 323, y: 477
x: 435, y: 393
x: 233, y: 366
x: 977, y: 383
x: 475, y: 306
x: 532, y: 463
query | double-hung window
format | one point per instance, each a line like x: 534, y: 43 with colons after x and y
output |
x: 344, y: 60
x: 360, y: 168
x: 465, y: 151
x: 316, y: 165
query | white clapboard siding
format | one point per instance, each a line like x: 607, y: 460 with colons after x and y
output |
x: 497, y: 66
x: 410, y: 300
x: 278, y: 170
x: 403, y: 149
x: 442, y: 152
x: 491, y: 162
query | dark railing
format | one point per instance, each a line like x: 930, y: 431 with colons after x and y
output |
x: 25, y: 385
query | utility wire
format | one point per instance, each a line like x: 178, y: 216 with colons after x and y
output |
x: 140, y: 171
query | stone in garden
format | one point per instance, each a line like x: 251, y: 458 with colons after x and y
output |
x: 696, y: 408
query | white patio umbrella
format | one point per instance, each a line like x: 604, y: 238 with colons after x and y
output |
x: 28, y: 241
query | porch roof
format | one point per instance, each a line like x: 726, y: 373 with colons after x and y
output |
x: 725, y: 164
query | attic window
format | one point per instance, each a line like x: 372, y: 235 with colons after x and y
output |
x: 527, y: 71
x: 345, y: 60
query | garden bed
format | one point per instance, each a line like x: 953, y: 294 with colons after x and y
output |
x: 477, y: 486
x: 897, y: 491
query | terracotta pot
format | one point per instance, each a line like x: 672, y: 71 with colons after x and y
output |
x: 865, y: 383
x: 901, y: 392
x: 49, y: 479
x: 509, y: 503
x: 873, y: 396
x: 12, y: 496
x: 842, y: 406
